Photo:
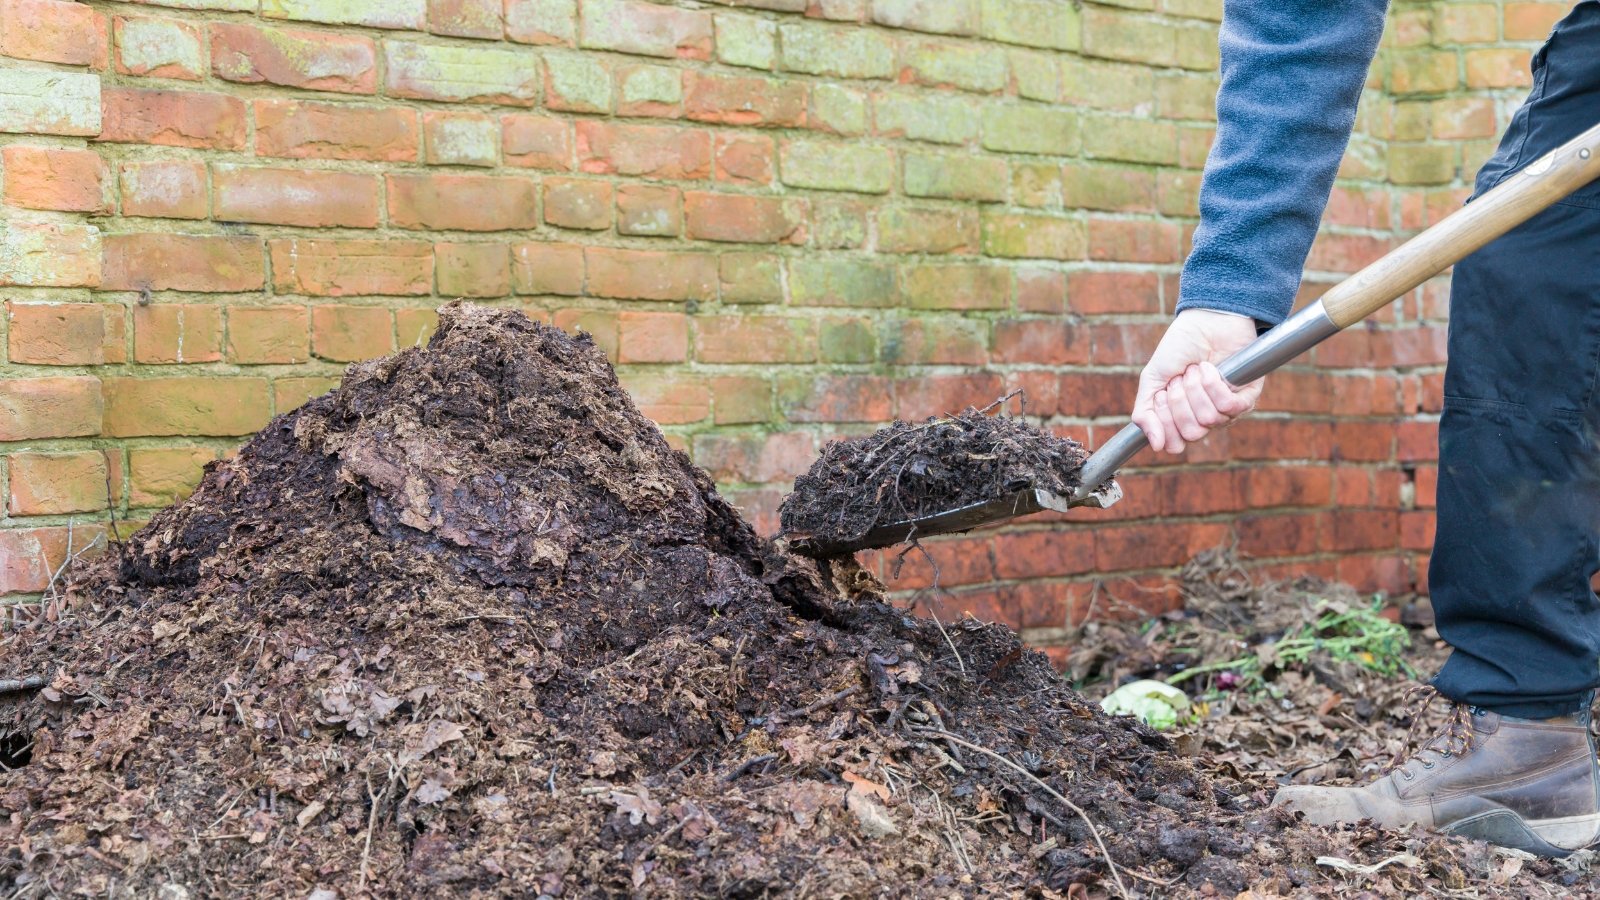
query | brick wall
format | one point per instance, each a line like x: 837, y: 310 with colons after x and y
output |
x: 786, y: 220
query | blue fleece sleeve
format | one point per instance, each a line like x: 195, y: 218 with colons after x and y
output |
x: 1292, y: 73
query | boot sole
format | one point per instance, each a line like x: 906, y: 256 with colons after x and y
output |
x: 1504, y: 828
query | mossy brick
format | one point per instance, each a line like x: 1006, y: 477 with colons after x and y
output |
x: 542, y: 21
x: 954, y: 176
x: 910, y: 229
x: 177, y: 333
x: 846, y: 340
x: 536, y: 142
x: 936, y: 118
x: 1423, y: 71
x: 1490, y: 68
x: 838, y: 109
x: 212, y: 405
x: 750, y: 278
x: 835, y: 398
x: 838, y: 224
x: 409, y: 15
x: 472, y: 269
x: 460, y: 139
x: 963, y: 286
x: 1032, y: 23
x: 1187, y: 95
x: 623, y: 274
x: 346, y: 268
x: 1030, y: 129
x: 741, y: 399
x: 263, y: 335
x: 52, y: 484
x: 755, y: 339
x: 158, y: 48
x: 1466, y: 23
x: 829, y: 166
x: 1036, y: 185
x: 649, y: 210
x: 44, y: 101
x: 778, y: 103
x: 161, y: 476
x: 1031, y: 236
x: 576, y: 82
x: 63, y: 179
x: 1411, y: 120
x: 293, y: 57
x: 835, y: 51
x: 632, y: 26
x: 547, y: 268
x: 1109, y: 85
x: 1115, y: 188
x: 649, y: 91
x: 744, y: 40
x: 1209, y: 10
x: 1112, y: 34
x: 1128, y: 139
x: 173, y: 118
x: 1197, y: 47
x: 461, y: 202
x: 745, y: 159
x: 166, y: 189
x: 414, y: 326
x: 351, y: 333
x: 482, y: 19
x: 958, y: 17
x: 310, y: 198
x: 840, y: 281
x: 300, y: 129
x: 460, y: 74
x: 58, y: 407
x: 948, y: 64
x: 1422, y: 163
x: 935, y: 341
x: 1037, y: 76
x: 290, y: 392
x: 65, y: 334
x: 183, y: 262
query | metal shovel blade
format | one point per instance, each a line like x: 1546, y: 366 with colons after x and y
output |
x: 1021, y: 502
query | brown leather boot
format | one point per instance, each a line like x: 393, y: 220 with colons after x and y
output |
x: 1530, y: 784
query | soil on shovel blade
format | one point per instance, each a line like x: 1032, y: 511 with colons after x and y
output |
x: 467, y: 626
x: 906, y: 471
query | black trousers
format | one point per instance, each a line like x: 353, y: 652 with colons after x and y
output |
x: 1518, y: 535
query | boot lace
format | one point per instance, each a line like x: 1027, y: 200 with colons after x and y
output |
x: 1454, y: 738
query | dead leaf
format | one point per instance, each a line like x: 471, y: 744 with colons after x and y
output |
x: 874, y: 819
x: 637, y: 807
x: 434, y: 735
x: 431, y: 791
x: 309, y: 813
x: 862, y: 785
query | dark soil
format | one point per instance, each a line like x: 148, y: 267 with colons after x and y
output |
x: 907, y: 471
x: 469, y: 627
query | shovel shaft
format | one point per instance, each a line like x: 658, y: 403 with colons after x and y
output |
x: 1514, y: 201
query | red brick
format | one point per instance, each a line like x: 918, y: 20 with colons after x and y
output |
x: 217, y: 405
x: 45, y: 484
x: 986, y: 604
x: 311, y: 198
x: 630, y: 26
x: 36, y: 408
x: 1497, y: 68
x: 1095, y: 394
x: 50, y: 178
x: 650, y: 210
x: 744, y: 159
x: 745, y: 101
x: 172, y: 118
x: 466, y: 18
x: 742, y: 218
x: 65, y: 334
x: 755, y: 339
x: 968, y: 559
x: 292, y: 57
x: 1100, y: 293
x: 349, y: 333
x: 158, y: 48
x: 755, y: 459
x: 30, y: 556
x: 536, y: 142
x: 1533, y: 21
x: 177, y: 333
x: 578, y: 203
x: 72, y: 34
x: 1051, y: 342
x: 1143, y: 546
x: 1041, y: 290
x: 300, y: 129
x: 182, y: 262
x: 835, y: 398
x: 1044, y: 554
x: 1265, y: 486
x: 649, y: 151
x: 1363, y: 529
x: 1129, y: 240
x: 472, y: 270
x: 1126, y: 345
x: 668, y: 400
x: 461, y: 202
x: 649, y: 275
x: 268, y: 334
x: 1294, y: 534
x: 339, y: 268
x: 936, y: 395
x: 597, y: 323
x: 165, y: 189
x: 648, y: 337
x: 1362, y: 441
x: 547, y: 269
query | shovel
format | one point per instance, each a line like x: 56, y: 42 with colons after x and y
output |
x: 1517, y: 199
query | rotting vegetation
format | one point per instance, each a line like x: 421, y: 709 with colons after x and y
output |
x: 468, y: 626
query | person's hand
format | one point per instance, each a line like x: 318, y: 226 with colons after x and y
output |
x: 1181, y: 395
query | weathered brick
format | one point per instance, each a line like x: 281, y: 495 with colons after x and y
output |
x: 746, y: 41
x: 655, y: 91
x: 668, y: 400
x: 937, y: 118
x: 307, y: 197
x: 1036, y: 185
x: 1130, y: 140
x: 650, y: 337
x: 37, y: 408
x: 744, y: 159
x: 472, y: 270
x: 750, y: 278
x: 182, y: 262
x: 964, y: 66
x: 49, y: 254
x: 836, y: 167
x: 1133, y: 240
x: 954, y: 176
x: 1197, y: 47
x: 268, y: 334
x: 165, y: 189
x: 1030, y: 129
x: 415, y: 327
x: 158, y: 48
x: 575, y: 82
x: 745, y: 101
x: 835, y: 51
x: 160, y: 476
x: 65, y: 334
x: 956, y: 286
x: 599, y: 324
x: 823, y: 281
x: 1111, y: 34
x: 43, y: 101
x: 838, y: 224
x: 1497, y: 68
x: 466, y: 18
x: 314, y: 60
x: 1466, y: 23
x: 1533, y: 21
x: 1023, y: 235
x: 742, y: 218
x: 904, y: 229
x: 741, y: 399
x: 461, y: 202
x: 1032, y: 23
x: 650, y: 275
x: 917, y: 398
x: 72, y: 34
x: 1041, y: 290
x: 173, y: 118
x: 299, y: 129
x: 411, y: 15
x: 1187, y: 96
x: 649, y: 210
x: 630, y: 26
x: 177, y: 333
x: 339, y: 268
x: 460, y: 74
x: 577, y: 203
x: 1422, y: 163
x: 933, y: 16
x: 350, y: 333
x: 536, y: 142
x: 1117, y: 188
x: 1422, y: 71
x: 460, y: 139
x: 218, y: 405
x: 51, y: 178
x: 1037, y: 76
x: 836, y: 109
x: 835, y: 398
x: 648, y: 151
x: 44, y: 484
x: 547, y: 269
x: 542, y: 21
x: 755, y: 339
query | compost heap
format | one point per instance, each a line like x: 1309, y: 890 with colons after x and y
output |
x: 469, y: 626
x: 906, y: 471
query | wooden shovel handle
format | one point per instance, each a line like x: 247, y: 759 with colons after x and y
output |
x: 1515, y: 200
